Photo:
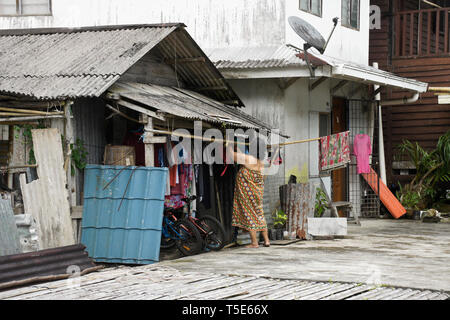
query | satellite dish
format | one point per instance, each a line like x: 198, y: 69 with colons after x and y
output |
x: 311, y: 36
x: 308, y: 33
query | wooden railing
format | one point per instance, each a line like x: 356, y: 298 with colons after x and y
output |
x: 422, y: 33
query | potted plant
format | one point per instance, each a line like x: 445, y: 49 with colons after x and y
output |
x: 321, y: 203
x: 279, y: 221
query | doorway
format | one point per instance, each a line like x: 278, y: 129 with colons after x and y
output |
x: 339, y: 176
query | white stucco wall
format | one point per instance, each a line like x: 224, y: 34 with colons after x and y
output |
x: 212, y: 23
x: 349, y: 44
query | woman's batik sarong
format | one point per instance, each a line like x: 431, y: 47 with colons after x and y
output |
x: 248, y: 211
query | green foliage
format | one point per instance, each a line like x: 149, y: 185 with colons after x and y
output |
x: 321, y: 202
x: 28, y: 137
x: 78, y: 155
x: 409, y: 199
x: 432, y: 168
x: 279, y: 219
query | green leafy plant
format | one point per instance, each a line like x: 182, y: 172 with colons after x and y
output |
x: 28, y: 137
x: 321, y: 202
x: 432, y: 167
x: 78, y: 155
x: 409, y: 199
x: 279, y: 219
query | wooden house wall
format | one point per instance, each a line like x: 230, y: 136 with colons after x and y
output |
x: 424, y: 121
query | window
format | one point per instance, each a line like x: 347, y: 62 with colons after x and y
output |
x: 312, y: 6
x: 25, y: 7
x: 350, y: 13
x: 324, y: 124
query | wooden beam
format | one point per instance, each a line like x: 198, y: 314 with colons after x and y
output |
x: 339, y: 86
x: 185, y: 60
x: 229, y: 102
x: 377, y: 91
x: 142, y: 110
x: 283, y: 83
x: 157, y: 139
x: 123, y: 114
x: 148, y: 144
x: 216, y: 88
x: 317, y: 83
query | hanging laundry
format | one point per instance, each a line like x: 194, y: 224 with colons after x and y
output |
x: 362, y: 148
x: 334, y: 151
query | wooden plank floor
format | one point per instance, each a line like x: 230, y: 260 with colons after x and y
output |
x: 167, y: 283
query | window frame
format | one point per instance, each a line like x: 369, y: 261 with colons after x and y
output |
x: 20, y: 14
x: 310, y: 6
x: 349, y: 25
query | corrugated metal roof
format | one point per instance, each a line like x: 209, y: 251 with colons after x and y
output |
x: 259, y: 57
x: 84, y: 62
x: 78, y: 63
x: 186, y: 104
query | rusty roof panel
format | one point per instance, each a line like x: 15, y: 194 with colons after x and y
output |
x: 44, y: 265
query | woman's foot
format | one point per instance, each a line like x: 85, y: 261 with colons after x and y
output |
x: 252, y: 246
x: 266, y: 244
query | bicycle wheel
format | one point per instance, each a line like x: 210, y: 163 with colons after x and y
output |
x: 166, y: 243
x: 167, y: 240
x: 215, y: 233
x: 187, y: 238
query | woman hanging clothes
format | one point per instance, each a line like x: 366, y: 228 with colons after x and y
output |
x: 247, y: 205
x: 248, y: 211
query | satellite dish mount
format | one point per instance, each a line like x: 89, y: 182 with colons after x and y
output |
x: 312, y: 37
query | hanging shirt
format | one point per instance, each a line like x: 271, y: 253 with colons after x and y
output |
x: 362, y: 149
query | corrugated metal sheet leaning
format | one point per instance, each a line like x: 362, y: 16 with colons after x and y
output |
x: 44, y: 265
x: 123, y: 212
x: 46, y: 198
x: 9, y: 235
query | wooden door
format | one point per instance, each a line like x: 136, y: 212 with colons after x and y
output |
x: 339, y: 176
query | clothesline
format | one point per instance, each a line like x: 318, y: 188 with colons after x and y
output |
x: 226, y: 141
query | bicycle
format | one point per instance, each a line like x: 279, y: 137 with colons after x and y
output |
x: 180, y: 233
x: 211, y: 230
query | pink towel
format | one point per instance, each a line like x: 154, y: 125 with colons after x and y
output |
x: 362, y: 148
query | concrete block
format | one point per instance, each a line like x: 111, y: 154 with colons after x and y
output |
x: 327, y: 226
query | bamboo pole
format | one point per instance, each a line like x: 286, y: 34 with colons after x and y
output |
x: 44, y: 113
x: 228, y: 141
x: 17, y: 119
x: 295, y: 142
x: 439, y: 89
x: 8, y: 114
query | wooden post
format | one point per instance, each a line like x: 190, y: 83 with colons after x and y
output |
x: 149, y: 147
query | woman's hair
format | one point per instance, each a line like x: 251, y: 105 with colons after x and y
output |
x: 258, y: 146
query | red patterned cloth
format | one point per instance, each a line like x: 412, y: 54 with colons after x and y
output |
x: 334, y: 151
x: 248, y: 211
